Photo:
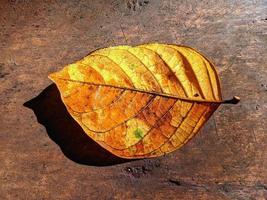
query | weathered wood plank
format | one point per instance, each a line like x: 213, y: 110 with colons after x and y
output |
x: 52, y: 159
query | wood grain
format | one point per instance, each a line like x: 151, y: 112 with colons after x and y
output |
x: 45, y: 155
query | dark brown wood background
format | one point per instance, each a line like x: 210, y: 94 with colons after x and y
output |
x: 45, y: 155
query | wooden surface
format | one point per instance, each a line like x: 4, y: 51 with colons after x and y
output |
x: 45, y: 155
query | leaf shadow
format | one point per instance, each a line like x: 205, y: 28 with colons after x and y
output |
x: 66, y: 132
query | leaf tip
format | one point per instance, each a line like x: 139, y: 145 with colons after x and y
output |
x: 52, y: 76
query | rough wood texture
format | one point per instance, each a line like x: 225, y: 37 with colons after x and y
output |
x: 53, y: 159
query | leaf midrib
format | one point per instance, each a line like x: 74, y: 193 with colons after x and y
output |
x: 144, y: 91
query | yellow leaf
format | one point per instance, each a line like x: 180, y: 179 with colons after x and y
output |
x: 141, y: 101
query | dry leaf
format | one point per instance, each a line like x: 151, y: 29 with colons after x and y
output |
x: 142, y: 101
